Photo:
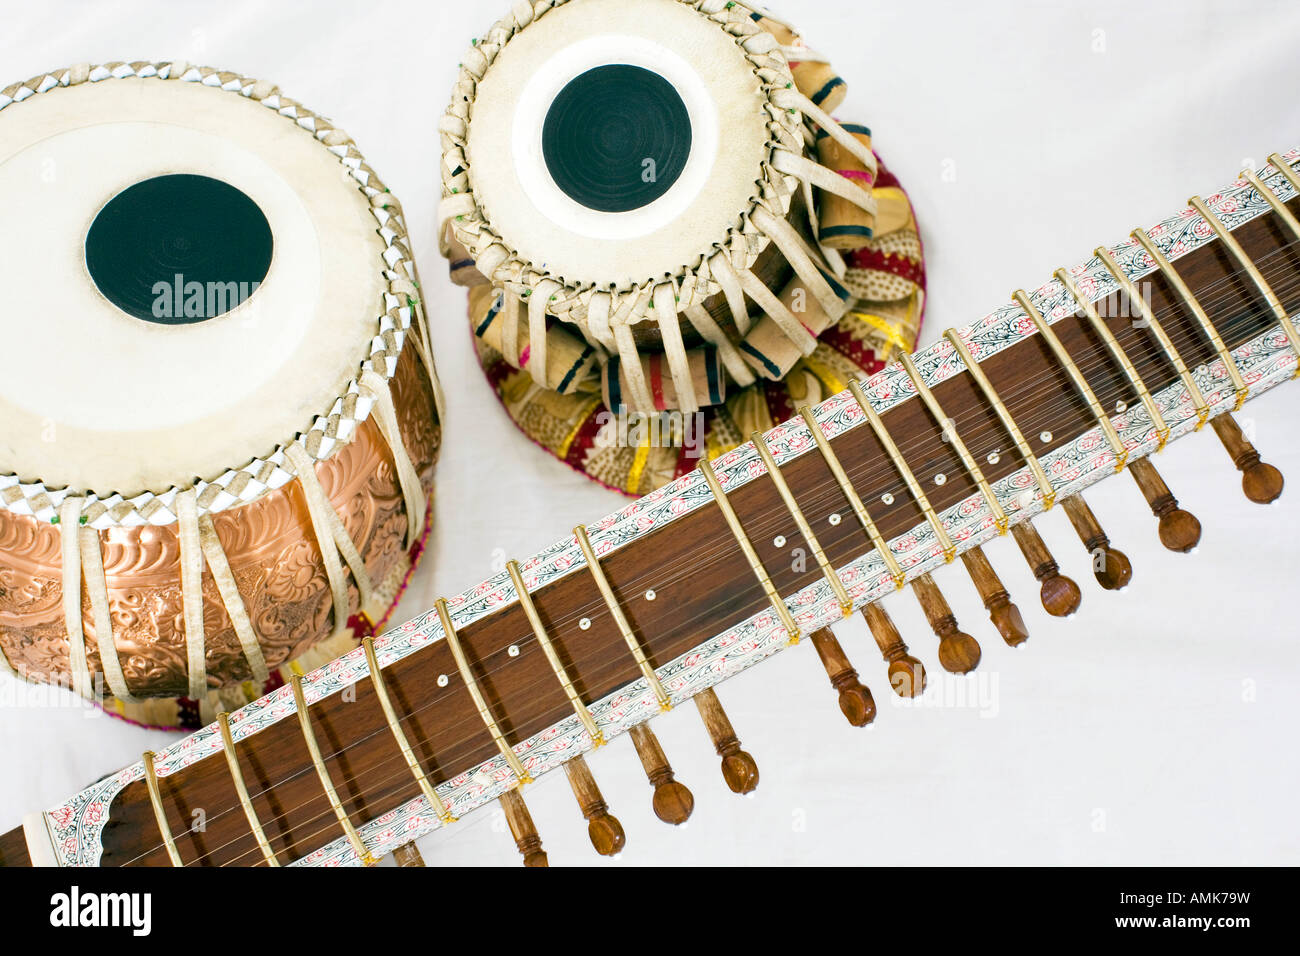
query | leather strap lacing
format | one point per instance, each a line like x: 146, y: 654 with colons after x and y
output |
x: 386, y: 418
x: 187, y: 517
x: 724, y: 272
x: 537, y: 328
x: 228, y: 588
x: 712, y: 333
x: 331, y: 538
x: 69, y: 525
x: 670, y: 333
x: 92, y: 569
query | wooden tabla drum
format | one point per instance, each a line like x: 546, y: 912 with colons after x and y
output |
x: 220, y: 416
x: 668, y: 240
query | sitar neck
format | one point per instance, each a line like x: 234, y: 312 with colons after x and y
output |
x: 1060, y: 387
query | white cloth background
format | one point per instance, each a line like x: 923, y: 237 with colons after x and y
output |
x: 1153, y: 727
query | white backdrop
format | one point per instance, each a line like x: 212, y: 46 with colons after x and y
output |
x: 1156, y: 726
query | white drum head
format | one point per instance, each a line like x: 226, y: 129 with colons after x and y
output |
x: 615, y: 142
x: 99, y: 400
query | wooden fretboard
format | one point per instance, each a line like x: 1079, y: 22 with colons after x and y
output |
x: 676, y: 546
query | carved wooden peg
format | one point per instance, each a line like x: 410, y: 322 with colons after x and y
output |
x: 672, y: 802
x: 522, y: 828
x: 603, y: 828
x: 738, y: 768
x: 1261, y: 482
x: 958, y: 651
x: 856, y: 701
x: 1110, y: 566
x: 1004, y: 615
x: 408, y: 854
x: 1059, y: 594
x: 1179, y: 529
x: 906, y: 673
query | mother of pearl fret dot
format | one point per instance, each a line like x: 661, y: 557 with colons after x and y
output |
x: 994, y: 458
x: 779, y: 541
x: 650, y: 595
x: 1120, y: 408
x: 1045, y: 437
x: 513, y: 650
x: 585, y: 623
x: 887, y: 498
x: 443, y: 680
x: 834, y: 519
x: 940, y: 478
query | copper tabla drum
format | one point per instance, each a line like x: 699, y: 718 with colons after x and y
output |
x: 220, y: 417
x: 669, y: 240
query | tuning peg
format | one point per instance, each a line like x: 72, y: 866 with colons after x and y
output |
x: 522, y: 828
x: 958, y: 651
x: 1261, y: 482
x: 603, y: 828
x: 1179, y: 529
x: 1059, y: 594
x: 856, y: 701
x: 672, y: 801
x: 1004, y: 615
x: 738, y: 768
x: 906, y: 673
x: 408, y: 854
x: 1111, y: 567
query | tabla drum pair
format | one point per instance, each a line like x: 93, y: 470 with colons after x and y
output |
x: 219, y: 414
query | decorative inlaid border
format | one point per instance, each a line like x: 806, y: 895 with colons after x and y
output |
x: 75, y: 826
x: 401, y: 308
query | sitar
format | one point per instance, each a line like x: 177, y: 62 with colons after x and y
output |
x: 1088, y: 375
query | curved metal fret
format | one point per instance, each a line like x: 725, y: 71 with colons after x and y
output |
x: 331, y: 793
x: 1248, y: 266
x: 1120, y: 356
x: 738, y: 531
x: 850, y: 493
x: 1166, y: 343
x: 904, y: 470
x: 1076, y: 376
x: 155, y: 798
x: 471, y: 685
x: 949, y: 428
x: 241, y: 789
x: 1004, y: 415
x: 620, y: 619
x: 552, y: 658
x: 1194, y: 306
x: 1288, y: 173
x: 399, y: 735
x: 1279, y: 207
x: 801, y: 522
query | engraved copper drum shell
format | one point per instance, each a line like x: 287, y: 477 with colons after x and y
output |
x: 272, y: 551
